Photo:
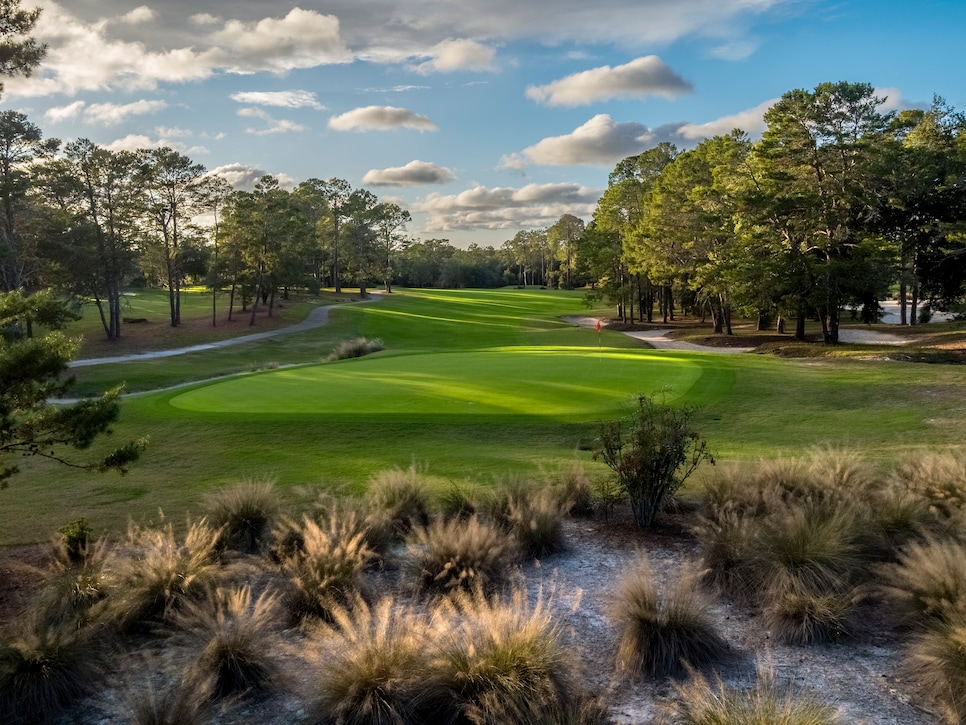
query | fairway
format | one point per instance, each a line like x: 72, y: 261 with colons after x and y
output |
x: 558, y: 383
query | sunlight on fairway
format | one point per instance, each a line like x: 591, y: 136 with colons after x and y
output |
x: 568, y: 383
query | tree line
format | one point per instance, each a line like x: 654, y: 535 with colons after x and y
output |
x: 837, y: 205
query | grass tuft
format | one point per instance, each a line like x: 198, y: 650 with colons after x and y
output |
x: 402, y: 495
x: 235, y: 640
x: 537, y: 523
x: 700, y: 703
x: 927, y: 585
x: 663, y: 634
x: 461, y: 555
x: 937, y: 660
x: 357, y: 347
x: 244, y: 513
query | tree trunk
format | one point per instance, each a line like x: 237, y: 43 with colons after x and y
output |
x: 903, y: 292
x: 800, y: 325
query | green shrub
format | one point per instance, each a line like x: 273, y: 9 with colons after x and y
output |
x: 927, y: 585
x: 235, y: 641
x: 652, y: 453
x: 244, y: 513
x: 700, y: 703
x: 357, y: 347
x: 376, y: 665
x: 328, y: 569
x: 661, y: 634
x: 505, y: 663
x: 45, y: 668
x: 160, y: 574
x: 75, y: 540
x: 461, y: 555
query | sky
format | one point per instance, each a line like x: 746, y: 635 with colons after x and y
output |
x: 481, y: 117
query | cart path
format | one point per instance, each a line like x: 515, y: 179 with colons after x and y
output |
x: 318, y: 317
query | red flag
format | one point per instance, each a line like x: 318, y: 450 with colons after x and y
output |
x: 598, y: 325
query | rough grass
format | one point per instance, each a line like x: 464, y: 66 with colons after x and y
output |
x: 927, y: 585
x: 357, y: 347
x: 537, y: 523
x: 937, y: 660
x: 402, y: 495
x: 663, y: 633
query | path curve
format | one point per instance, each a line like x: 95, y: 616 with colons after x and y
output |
x: 658, y: 339
x: 318, y: 317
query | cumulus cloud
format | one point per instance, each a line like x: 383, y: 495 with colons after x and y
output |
x: 141, y: 14
x: 534, y: 205
x: 244, y: 177
x: 599, y: 142
x: 647, y: 76
x: 380, y: 118
x: 111, y: 114
x: 750, y: 121
x: 455, y: 54
x: 282, y: 99
x: 64, y: 113
x: 273, y: 125
x: 415, y: 173
x: 512, y: 162
x: 302, y: 39
x: 135, y: 141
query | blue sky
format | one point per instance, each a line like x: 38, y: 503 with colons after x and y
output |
x: 482, y: 117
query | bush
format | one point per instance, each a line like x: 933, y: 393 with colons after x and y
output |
x: 74, y: 592
x: 652, y: 453
x: 45, y: 668
x: 235, y: 641
x: 376, y: 664
x: 75, y: 540
x: 662, y: 635
x: 461, y: 555
x: 244, y: 513
x: 328, y: 568
x: 357, y: 347
x: 700, y: 703
x: 505, y: 663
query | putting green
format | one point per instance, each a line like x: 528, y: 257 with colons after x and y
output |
x: 562, y: 383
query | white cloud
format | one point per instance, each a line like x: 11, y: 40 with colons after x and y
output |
x: 380, y: 118
x: 415, y: 173
x: 273, y: 125
x: 302, y: 39
x: 64, y: 113
x: 750, y: 121
x: 454, y: 54
x: 111, y: 114
x: 647, y: 76
x: 512, y: 162
x: 599, y: 142
x: 135, y: 141
x: 205, y: 19
x: 531, y: 206
x: 282, y: 99
x: 142, y: 14
x: 244, y: 177
x: 173, y: 132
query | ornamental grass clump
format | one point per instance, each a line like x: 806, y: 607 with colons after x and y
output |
x: 940, y: 478
x: 698, y: 702
x: 403, y: 495
x: 461, y: 555
x: 235, y: 641
x: 76, y: 591
x: 505, y: 663
x: 927, y: 585
x: 805, y: 617
x: 160, y: 573
x: 46, y: 667
x: 375, y: 669
x: 244, y: 514
x: 179, y: 703
x: 357, y: 347
x: 663, y: 633
x: 537, y: 523
x: 328, y: 568
x: 936, y: 659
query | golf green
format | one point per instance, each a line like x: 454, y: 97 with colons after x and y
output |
x: 576, y: 383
